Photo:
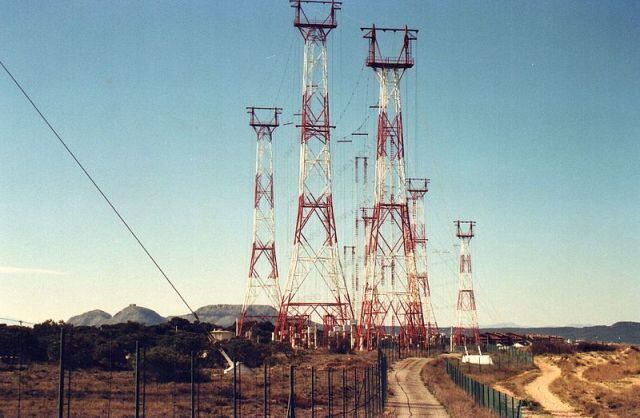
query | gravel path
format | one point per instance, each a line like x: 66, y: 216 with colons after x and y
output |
x: 410, y: 397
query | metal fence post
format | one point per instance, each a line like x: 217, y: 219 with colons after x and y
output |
x: 193, y: 394
x: 266, y: 396
x: 383, y: 381
x: 376, y: 387
x: 313, y: 392
x: 292, y: 396
x: 344, y: 392
x: 367, y: 391
x: 355, y: 391
x: 240, y: 390
x: 144, y: 380
x: 330, y: 390
x: 137, y: 376
x: 20, y: 376
x: 364, y: 392
x: 234, y: 394
x: 69, y: 374
x: 61, y: 376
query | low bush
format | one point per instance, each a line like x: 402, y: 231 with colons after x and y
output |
x: 584, y: 346
x: 548, y: 347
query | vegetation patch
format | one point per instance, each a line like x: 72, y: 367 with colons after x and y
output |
x: 454, y: 399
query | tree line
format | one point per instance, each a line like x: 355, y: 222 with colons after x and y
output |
x: 166, y: 348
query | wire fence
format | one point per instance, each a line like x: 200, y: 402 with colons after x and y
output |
x: 509, y: 355
x: 351, y: 386
x: 394, y: 352
x: 485, y: 395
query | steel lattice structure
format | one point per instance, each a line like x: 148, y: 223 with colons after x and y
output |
x: 361, y: 164
x: 263, y: 266
x: 417, y: 189
x: 316, y: 290
x: 391, y: 298
x: 466, y: 329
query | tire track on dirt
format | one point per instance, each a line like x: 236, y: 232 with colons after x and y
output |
x: 409, y: 396
x: 540, y: 392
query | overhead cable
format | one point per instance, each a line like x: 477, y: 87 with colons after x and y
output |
x: 104, y: 196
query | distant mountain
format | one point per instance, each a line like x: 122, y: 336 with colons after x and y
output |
x: 620, y: 332
x: 221, y: 315
x: 134, y: 313
x: 89, y: 319
x: 225, y: 315
x: 502, y: 325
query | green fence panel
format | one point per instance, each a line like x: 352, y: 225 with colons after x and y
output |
x: 484, y: 395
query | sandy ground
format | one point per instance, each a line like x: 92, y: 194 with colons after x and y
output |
x: 539, y: 390
x: 410, y: 397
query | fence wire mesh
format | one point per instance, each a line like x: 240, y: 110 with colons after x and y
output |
x: 484, y: 395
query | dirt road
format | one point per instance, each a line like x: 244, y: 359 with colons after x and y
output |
x: 539, y: 390
x: 410, y: 397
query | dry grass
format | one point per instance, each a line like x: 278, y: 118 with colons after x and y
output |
x: 97, y: 393
x: 515, y: 385
x: 492, y: 374
x: 454, y: 399
x: 601, y: 384
x: 625, y: 365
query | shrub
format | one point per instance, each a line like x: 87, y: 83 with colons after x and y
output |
x: 548, y: 347
x: 164, y: 365
x: 594, y: 346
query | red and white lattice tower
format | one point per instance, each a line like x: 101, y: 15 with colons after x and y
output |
x: 361, y: 201
x: 391, y: 299
x: 316, y: 291
x: 466, y: 329
x: 263, y: 267
x: 417, y: 189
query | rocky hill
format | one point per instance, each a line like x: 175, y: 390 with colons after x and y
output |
x: 134, y: 313
x: 131, y: 313
x: 221, y: 315
x: 225, y: 315
x: 90, y: 319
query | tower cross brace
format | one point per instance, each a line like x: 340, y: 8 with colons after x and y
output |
x: 391, y: 298
x: 263, y: 266
x: 466, y: 329
x: 316, y: 290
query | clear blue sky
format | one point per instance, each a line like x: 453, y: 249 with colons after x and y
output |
x: 525, y: 115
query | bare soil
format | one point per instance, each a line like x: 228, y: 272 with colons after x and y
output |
x: 409, y: 396
x: 539, y: 390
x: 602, y: 384
x: 593, y: 384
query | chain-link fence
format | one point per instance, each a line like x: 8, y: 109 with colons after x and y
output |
x: 485, y: 395
x: 509, y: 355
